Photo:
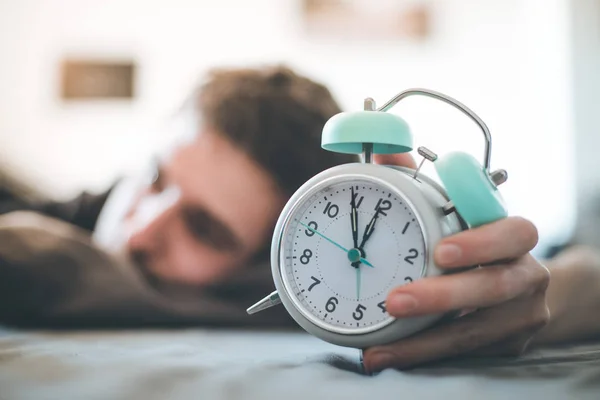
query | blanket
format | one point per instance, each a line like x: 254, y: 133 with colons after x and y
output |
x: 232, y: 364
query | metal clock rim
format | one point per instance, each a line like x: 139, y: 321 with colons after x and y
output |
x: 309, y: 191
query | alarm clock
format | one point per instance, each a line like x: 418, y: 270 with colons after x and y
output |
x: 355, y: 231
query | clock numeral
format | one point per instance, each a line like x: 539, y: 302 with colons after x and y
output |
x: 331, y: 210
x: 358, y: 314
x: 408, y: 279
x: 357, y: 202
x: 382, y: 306
x: 313, y: 225
x: 382, y: 206
x: 331, y: 304
x: 316, y: 282
x: 405, y: 227
x: 306, y: 255
x: 413, y: 254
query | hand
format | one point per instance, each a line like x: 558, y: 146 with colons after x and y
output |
x: 354, y: 218
x: 573, y: 297
x: 369, y: 229
x: 405, y: 160
x: 354, y: 224
x: 339, y: 246
x: 508, y: 294
x: 358, y: 279
x: 366, y: 235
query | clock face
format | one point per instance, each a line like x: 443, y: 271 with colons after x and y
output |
x: 344, y: 247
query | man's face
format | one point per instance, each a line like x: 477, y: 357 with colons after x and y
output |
x: 210, y: 208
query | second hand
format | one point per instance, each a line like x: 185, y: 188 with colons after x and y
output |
x: 334, y: 243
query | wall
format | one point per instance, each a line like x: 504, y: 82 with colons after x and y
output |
x: 585, y: 53
x: 506, y: 59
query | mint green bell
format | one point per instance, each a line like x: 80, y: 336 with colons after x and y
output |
x: 348, y: 131
x: 469, y: 186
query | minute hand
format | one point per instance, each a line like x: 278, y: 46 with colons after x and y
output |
x: 354, y: 218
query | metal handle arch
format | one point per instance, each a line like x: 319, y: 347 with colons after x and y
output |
x: 450, y: 101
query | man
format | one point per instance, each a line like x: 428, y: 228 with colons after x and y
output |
x: 194, y: 238
x: 199, y: 232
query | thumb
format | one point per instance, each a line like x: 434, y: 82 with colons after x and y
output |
x: 401, y: 160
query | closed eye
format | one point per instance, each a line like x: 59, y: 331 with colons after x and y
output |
x: 208, y: 229
x: 157, y: 180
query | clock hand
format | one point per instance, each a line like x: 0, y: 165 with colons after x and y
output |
x: 366, y: 235
x: 369, y: 229
x: 364, y: 261
x: 357, y: 283
x: 354, y: 223
x: 334, y: 243
x: 324, y: 237
x: 354, y: 218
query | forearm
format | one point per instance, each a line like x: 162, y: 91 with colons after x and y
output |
x: 573, y: 297
x: 81, y: 211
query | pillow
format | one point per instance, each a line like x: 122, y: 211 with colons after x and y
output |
x: 53, y: 275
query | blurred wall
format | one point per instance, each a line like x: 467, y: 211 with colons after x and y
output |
x: 509, y: 60
x: 585, y: 55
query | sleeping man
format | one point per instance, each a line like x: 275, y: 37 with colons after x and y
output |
x: 187, y: 245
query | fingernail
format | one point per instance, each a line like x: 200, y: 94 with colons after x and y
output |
x: 401, y: 304
x: 447, y: 253
x: 380, y: 360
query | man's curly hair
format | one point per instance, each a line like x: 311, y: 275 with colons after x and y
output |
x: 276, y: 116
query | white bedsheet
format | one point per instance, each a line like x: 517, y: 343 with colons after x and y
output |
x: 201, y: 364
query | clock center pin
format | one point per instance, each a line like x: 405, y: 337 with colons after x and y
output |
x: 354, y: 255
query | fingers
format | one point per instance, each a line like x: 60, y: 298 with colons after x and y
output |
x: 401, y: 160
x: 476, y: 288
x: 510, y: 297
x: 463, y: 335
x: 508, y: 238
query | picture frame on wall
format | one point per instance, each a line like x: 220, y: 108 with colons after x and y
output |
x: 367, y: 19
x: 89, y: 79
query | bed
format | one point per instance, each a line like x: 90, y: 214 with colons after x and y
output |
x: 216, y: 364
x: 54, y: 273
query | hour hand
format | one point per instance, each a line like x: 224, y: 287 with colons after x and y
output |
x: 369, y: 229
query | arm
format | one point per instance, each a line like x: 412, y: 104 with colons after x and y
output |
x: 519, y: 302
x: 508, y: 304
x: 573, y: 297
x: 53, y: 276
x: 502, y: 303
x: 82, y: 211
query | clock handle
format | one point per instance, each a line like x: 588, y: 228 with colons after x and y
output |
x: 471, y: 187
x: 448, y: 100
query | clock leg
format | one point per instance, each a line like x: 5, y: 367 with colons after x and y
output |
x: 268, y: 302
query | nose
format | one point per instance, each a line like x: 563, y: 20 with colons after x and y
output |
x: 150, y: 219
